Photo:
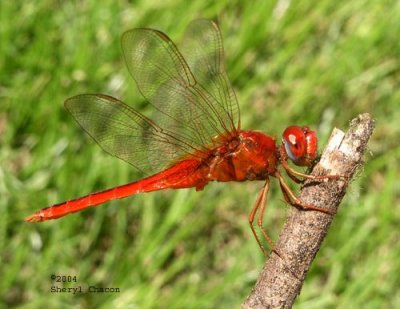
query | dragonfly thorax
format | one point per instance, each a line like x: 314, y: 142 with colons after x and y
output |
x: 251, y: 156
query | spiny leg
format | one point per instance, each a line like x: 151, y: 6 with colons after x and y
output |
x: 261, y: 201
x: 252, y: 215
x: 294, y: 178
x: 292, y: 199
x: 292, y: 173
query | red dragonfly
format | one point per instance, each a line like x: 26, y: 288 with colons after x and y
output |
x: 195, y: 135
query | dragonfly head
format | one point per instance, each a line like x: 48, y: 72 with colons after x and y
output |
x: 300, y: 145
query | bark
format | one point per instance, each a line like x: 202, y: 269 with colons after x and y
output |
x: 282, y: 278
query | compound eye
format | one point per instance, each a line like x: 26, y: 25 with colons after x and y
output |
x: 294, y: 141
x: 300, y: 145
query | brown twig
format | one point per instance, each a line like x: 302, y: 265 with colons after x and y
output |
x: 281, y: 279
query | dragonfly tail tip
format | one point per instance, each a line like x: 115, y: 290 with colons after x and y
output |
x: 33, y: 218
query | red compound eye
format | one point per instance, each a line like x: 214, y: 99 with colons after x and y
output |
x: 300, y: 145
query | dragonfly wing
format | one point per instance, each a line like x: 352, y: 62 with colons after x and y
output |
x: 127, y: 134
x: 203, y: 50
x: 183, y: 102
x: 194, y: 100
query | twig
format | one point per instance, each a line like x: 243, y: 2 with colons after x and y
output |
x: 281, y: 279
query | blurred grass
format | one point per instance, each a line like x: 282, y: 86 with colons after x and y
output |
x: 317, y: 63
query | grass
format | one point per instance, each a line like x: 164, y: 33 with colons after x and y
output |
x: 317, y: 63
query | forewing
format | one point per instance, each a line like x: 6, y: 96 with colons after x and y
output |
x: 203, y: 50
x: 165, y: 79
x: 127, y: 134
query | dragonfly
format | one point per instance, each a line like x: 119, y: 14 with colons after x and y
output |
x: 195, y: 135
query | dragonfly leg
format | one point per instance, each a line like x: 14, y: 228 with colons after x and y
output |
x: 260, y: 204
x: 261, y: 216
x: 292, y: 199
x: 253, y: 214
x: 294, y: 178
x: 293, y: 174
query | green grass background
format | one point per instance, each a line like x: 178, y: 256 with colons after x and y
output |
x: 291, y: 62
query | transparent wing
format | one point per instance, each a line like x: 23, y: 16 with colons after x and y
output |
x: 127, y: 134
x: 195, y: 104
x: 203, y: 50
x: 193, y: 98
